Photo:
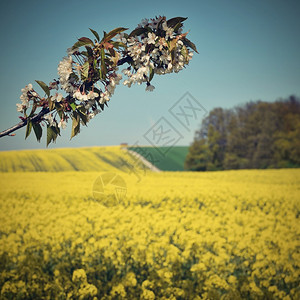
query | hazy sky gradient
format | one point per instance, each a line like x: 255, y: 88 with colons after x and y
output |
x: 248, y: 50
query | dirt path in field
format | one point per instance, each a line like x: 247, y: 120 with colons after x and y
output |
x: 147, y: 163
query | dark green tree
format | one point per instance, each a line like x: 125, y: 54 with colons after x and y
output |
x: 255, y: 135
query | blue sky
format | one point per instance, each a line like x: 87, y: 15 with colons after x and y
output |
x: 248, y: 50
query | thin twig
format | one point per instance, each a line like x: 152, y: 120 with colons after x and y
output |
x: 23, y: 123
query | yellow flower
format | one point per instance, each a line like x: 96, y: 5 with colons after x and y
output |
x: 147, y: 295
x: 118, y: 290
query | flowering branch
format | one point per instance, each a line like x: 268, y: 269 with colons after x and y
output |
x: 23, y: 123
x: 88, y: 75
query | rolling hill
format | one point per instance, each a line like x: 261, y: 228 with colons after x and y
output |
x: 110, y: 158
x: 104, y: 158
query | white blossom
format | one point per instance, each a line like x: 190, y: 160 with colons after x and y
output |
x: 118, y: 78
x: 64, y: 70
x: 84, y: 97
x: 24, y: 98
x: 128, y: 82
x: 169, y: 30
x: 104, y: 97
x: 62, y: 124
x: 91, y: 115
x: 127, y: 72
x: 121, y: 38
x: 20, y: 107
x: 92, y: 95
x: 158, y: 56
x: 77, y: 95
x: 145, y: 59
x: 50, y: 119
x: 26, y: 104
x: 151, y: 38
x: 57, y: 97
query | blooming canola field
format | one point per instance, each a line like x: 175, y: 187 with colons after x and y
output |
x: 174, y: 235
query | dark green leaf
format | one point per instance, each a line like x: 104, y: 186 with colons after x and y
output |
x: 28, y: 128
x: 73, y: 76
x: 32, y: 113
x: 190, y: 44
x: 57, y: 130
x: 82, y: 113
x: 51, y: 134
x: 37, y: 128
x: 151, y: 74
x: 101, y: 106
x: 118, y: 44
x: 81, y: 43
x: 78, y: 45
x: 138, y: 31
x: 177, y: 26
x: 75, y: 124
x: 159, y: 30
x: 97, y: 90
x: 159, y: 25
x: 58, y: 106
x: 86, y: 40
x: 174, y: 21
x: 60, y: 113
x: 113, y: 33
x: 89, y: 51
x: 103, y: 65
x: 173, y: 55
x: 95, y: 34
x: 149, y: 48
x: 44, y: 87
x: 112, y: 52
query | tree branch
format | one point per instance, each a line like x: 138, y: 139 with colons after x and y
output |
x: 44, y: 111
x: 23, y: 123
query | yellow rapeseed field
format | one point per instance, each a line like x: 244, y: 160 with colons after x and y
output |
x: 174, y: 235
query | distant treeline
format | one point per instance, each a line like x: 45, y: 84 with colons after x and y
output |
x: 256, y: 135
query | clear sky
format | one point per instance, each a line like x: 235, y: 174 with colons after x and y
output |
x: 248, y: 50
